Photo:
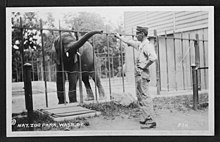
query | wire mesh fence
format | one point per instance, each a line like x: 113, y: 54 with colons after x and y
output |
x: 176, y: 52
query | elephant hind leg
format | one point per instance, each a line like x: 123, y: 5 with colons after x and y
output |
x: 85, y: 79
x: 97, y: 81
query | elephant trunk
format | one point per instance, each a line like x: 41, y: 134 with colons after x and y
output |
x: 80, y: 43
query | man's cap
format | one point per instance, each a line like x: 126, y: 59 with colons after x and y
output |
x: 142, y: 29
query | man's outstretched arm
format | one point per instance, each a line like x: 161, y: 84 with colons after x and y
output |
x: 128, y: 42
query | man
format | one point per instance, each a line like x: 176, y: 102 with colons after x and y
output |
x: 146, y: 56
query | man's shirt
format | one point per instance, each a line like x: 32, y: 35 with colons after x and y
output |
x: 146, y: 52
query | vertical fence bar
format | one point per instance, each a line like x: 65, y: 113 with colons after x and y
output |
x: 80, y: 79
x: 167, y: 62
x: 22, y: 50
x: 17, y: 72
x: 94, y: 61
x: 182, y: 62
x: 122, y: 70
x: 119, y: 62
x: 134, y: 59
x: 190, y: 59
x: 44, y: 73
x: 106, y: 73
x: 112, y: 64
x: 157, y: 63
x: 28, y: 93
x: 109, y: 66
x: 32, y: 62
x: 62, y: 63
x: 195, y: 86
x: 174, y: 52
x: 204, y: 58
x: 197, y: 59
x: 80, y: 69
x: 38, y: 72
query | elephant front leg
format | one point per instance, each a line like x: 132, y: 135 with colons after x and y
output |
x: 72, y: 77
x: 60, y: 86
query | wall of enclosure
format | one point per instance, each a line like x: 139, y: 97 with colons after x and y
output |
x: 177, y: 54
x: 176, y: 31
x: 169, y: 21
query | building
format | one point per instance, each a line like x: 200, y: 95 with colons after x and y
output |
x: 175, y: 55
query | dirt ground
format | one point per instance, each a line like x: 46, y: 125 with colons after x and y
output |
x: 172, y: 114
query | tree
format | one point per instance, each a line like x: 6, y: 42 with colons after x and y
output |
x: 85, y: 21
x: 31, y: 40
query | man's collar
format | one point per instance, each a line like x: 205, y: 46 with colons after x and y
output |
x: 145, y: 40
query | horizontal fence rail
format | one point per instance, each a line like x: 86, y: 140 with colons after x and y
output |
x: 73, y: 31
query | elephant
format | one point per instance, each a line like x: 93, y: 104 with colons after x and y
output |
x: 68, y: 52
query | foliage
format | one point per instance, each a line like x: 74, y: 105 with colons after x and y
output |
x: 112, y: 109
x: 32, y: 46
x: 83, y: 21
x: 86, y: 22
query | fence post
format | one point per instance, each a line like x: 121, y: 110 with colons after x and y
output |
x: 183, y: 69
x: 62, y: 64
x: 167, y: 68
x: 197, y: 58
x: 28, y: 93
x: 44, y: 73
x: 94, y: 61
x: 195, y: 86
x: 174, y: 55
x: 109, y: 66
x: 22, y: 49
x: 80, y: 67
x: 134, y: 61
x: 122, y: 70
x: 157, y: 63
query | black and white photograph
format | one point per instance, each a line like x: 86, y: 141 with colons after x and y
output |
x: 110, y: 71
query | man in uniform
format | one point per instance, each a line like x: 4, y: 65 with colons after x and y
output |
x: 146, y: 56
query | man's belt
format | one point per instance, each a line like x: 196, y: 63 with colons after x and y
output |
x: 143, y: 69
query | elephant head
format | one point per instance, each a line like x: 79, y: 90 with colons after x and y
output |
x: 70, y: 45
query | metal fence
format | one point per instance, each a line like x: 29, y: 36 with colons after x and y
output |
x: 176, y: 53
x: 171, y: 72
x: 45, y: 69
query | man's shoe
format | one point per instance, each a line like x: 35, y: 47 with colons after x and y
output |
x: 149, y: 125
x: 145, y: 120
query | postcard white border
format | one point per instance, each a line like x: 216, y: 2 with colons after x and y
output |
x: 210, y: 132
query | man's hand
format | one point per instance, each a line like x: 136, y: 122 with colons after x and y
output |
x: 117, y: 35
